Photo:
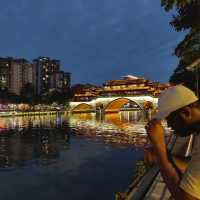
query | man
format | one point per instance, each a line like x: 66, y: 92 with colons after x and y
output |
x: 181, y: 108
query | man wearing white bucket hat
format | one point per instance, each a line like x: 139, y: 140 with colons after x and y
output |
x: 181, y: 108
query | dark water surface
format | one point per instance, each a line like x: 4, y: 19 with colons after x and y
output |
x: 69, y: 157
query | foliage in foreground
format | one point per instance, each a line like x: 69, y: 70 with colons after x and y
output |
x: 187, y: 19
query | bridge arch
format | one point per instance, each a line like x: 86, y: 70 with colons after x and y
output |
x: 83, y: 107
x: 117, y: 104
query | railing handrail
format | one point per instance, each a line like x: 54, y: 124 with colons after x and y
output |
x: 148, y: 179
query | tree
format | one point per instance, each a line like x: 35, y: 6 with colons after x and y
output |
x: 187, y: 18
x: 170, y: 4
x: 58, y: 96
x: 28, y: 93
x: 3, y: 94
x: 80, y: 88
x: 7, y: 97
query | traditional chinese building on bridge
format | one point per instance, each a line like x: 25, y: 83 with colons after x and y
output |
x: 86, y: 92
x: 128, y: 93
x: 128, y: 86
x: 132, y: 86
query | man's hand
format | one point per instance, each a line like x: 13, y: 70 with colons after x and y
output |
x: 156, y: 134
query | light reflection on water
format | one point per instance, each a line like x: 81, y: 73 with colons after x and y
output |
x: 125, y: 128
x: 54, y: 156
x: 43, y: 137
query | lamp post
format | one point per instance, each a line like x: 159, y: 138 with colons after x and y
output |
x: 195, y: 68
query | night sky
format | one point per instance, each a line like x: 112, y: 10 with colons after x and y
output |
x: 96, y: 40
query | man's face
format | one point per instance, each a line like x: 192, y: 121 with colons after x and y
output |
x: 176, y: 123
x: 185, y: 121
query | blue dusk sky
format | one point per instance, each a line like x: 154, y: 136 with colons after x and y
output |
x: 96, y: 40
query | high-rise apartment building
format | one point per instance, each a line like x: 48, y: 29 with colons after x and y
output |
x: 21, y: 73
x: 5, y: 64
x: 60, y: 81
x: 28, y: 73
x: 14, y: 74
x: 43, y: 68
x: 44, y: 73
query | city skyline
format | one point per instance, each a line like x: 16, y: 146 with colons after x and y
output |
x: 96, y: 41
x: 41, y: 75
x: 30, y: 63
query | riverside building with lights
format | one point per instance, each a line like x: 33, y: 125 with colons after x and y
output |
x: 43, y: 69
x: 127, y: 86
x: 132, y: 86
x: 14, y: 74
x: 5, y: 65
x: 44, y: 74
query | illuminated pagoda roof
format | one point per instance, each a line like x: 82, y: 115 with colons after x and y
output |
x: 127, y: 80
x: 131, y: 77
x: 128, y: 85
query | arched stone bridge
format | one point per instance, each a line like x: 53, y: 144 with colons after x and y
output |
x: 113, y: 104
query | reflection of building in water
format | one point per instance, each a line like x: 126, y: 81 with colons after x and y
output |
x: 84, y: 116
x: 25, y: 138
x: 48, y: 121
x: 116, y: 120
x: 42, y: 138
x: 113, y: 129
x: 41, y: 144
x: 134, y: 116
x: 5, y: 159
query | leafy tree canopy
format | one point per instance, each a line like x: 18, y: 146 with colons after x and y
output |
x: 187, y: 18
x: 170, y: 4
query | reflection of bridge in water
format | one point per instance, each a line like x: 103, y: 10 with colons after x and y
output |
x: 115, y: 128
x: 114, y: 104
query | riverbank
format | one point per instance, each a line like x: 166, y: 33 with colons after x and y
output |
x: 28, y: 113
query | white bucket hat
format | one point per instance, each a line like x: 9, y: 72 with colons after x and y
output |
x: 173, y: 99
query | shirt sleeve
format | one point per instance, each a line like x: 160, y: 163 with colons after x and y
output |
x: 190, y: 181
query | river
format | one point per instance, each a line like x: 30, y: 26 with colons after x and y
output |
x: 75, y: 157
